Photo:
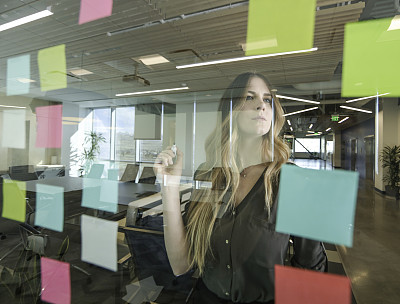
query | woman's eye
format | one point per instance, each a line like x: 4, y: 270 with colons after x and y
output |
x: 249, y: 97
x: 267, y: 100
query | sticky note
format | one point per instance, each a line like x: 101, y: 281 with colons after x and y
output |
x: 14, y: 204
x: 49, y: 126
x: 113, y: 174
x: 99, y: 242
x: 101, y: 194
x: 280, y: 26
x: 49, y: 207
x: 317, y: 204
x: 94, y: 9
x: 52, y: 68
x: 293, y: 285
x: 371, y: 59
x: 96, y: 171
x: 56, y: 281
x: 14, y: 120
x: 145, y: 290
x: 18, y: 75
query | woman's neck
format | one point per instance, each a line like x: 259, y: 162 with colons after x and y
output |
x: 250, y: 152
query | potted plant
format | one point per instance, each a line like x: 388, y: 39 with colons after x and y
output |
x: 390, y: 157
x: 90, y: 151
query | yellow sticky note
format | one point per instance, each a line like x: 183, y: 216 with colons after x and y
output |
x: 280, y: 26
x: 52, y: 68
x: 371, y: 58
x: 14, y: 205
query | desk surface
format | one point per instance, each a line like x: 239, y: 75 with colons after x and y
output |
x: 127, y: 191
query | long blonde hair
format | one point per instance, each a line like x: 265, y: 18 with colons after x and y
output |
x: 222, y: 168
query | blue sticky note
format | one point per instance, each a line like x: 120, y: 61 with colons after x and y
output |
x: 96, y: 171
x: 50, y: 207
x: 317, y: 204
x: 99, y: 242
x: 18, y: 75
x: 101, y: 194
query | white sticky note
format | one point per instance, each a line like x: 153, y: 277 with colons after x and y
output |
x: 99, y: 242
x: 14, y: 122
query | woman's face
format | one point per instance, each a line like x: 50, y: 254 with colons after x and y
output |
x: 255, y: 117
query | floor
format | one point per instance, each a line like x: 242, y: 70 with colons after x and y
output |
x: 373, y: 263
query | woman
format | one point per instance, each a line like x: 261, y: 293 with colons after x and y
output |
x: 228, y: 233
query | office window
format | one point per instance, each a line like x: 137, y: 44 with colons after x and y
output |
x: 149, y: 149
x: 102, y: 125
x: 125, y: 144
x: 311, y: 144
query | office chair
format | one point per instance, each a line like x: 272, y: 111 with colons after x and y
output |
x: 148, y: 176
x: 130, y: 173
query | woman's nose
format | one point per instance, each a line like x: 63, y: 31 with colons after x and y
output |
x: 261, y: 105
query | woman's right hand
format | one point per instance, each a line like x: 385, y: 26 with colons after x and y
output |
x: 168, y: 170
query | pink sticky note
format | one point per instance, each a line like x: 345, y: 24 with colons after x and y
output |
x: 94, y: 9
x: 56, y: 281
x: 299, y: 286
x: 49, y: 126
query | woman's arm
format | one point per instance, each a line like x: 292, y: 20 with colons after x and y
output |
x: 309, y: 254
x: 169, y: 174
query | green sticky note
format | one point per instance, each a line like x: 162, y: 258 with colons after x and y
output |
x: 50, y: 207
x: 52, y: 68
x: 280, y: 26
x: 14, y: 204
x: 371, y: 58
x: 317, y: 204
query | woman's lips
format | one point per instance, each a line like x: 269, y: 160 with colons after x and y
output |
x: 259, y: 118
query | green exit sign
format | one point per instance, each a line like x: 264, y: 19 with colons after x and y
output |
x: 335, y: 118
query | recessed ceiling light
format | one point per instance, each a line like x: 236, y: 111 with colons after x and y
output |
x: 297, y: 112
x: 80, y: 72
x: 153, y: 59
x: 25, y: 80
x: 395, y: 24
x: 288, y: 121
x: 151, y: 92
x: 291, y: 129
x: 311, y: 125
x: 298, y: 99
x: 185, y: 66
x: 356, y: 109
x: 25, y: 20
x: 328, y: 129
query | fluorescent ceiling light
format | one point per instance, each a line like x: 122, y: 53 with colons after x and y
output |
x: 356, y: 109
x: 288, y: 121
x: 80, y: 72
x: 26, y: 19
x: 344, y: 119
x: 25, y: 80
x: 310, y: 132
x: 151, y: 92
x: 362, y: 98
x: 297, y: 99
x: 328, y: 129
x: 15, y: 107
x: 291, y: 129
x: 153, y: 59
x: 314, y: 134
x: 309, y: 109
x: 311, y: 125
x: 185, y: 66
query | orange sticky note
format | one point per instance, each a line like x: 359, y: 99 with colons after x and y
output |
x: 299, y: 286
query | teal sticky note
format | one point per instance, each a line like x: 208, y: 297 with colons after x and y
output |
x: 317, y: 204
x: 100, y: 194
x: 49, y: 207
x: 371, y: 58
x: 96, y: 171
x: 113, y: 174
x: 99, y: 242
x: 18, y: 75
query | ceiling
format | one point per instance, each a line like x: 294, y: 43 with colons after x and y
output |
x: 184, y: 32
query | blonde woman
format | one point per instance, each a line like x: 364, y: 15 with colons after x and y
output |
x: 228, y: 232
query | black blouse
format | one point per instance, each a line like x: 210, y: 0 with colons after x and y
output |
x: 246, y: 247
